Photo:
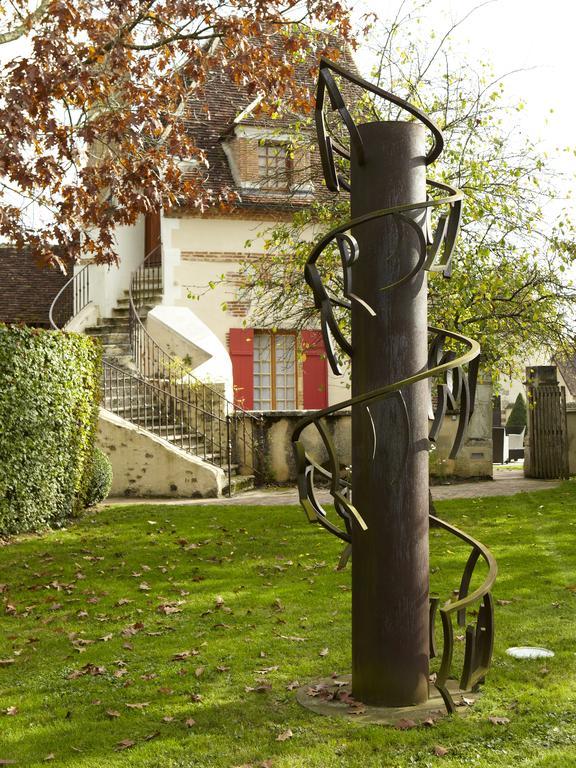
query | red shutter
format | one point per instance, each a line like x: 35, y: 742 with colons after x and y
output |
x: 314, y: 370
x: 242, y: 355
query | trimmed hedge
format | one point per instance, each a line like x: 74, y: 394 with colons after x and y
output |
x: 49, y: 392
x: 100, y: 478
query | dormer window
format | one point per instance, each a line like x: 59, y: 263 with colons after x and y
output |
x: 275, y: 165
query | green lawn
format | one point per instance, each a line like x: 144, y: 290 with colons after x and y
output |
x: 94, y: 618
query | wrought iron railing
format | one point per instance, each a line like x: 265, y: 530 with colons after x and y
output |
x: 202, y: 406
x: 70, y: 299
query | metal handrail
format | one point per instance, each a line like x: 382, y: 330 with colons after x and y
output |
x: 154, y: 363
x: 76, y: 292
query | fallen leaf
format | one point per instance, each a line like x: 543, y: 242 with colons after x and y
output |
x: 261, y: 688
x: 503, y: 602
x: 11, y: 711
x: 544, y: 671
x: 429, y: 722
x: 123, y: 601
x: 196, y: 697
x: 7, y: 662
x: 151, y: 736
x: 143, y: 587
x: 323, y: 652
x: 183, y: 655
x: 112, y: 713
x: 219, y: 602
x: 51, y: 756
x: 7, y: 762
x: 440, y: 751
x: 405, y: 724
x: 285, y: 735
x: 167, y: 719
x: 499, y: 720
x: 222, y: 668
x: 138, y: 705
x: 199, y: 671
x: 124, y: 744
x: 291, y: 686
x: 189, y: 722
x: 106, y: 638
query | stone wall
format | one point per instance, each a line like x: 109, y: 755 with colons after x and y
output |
x: 143, y: 465
x: 474, y: 459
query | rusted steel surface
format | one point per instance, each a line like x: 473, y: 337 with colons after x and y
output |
x: 402, y: 226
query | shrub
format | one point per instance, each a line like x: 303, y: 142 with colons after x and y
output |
x: 517, y: 416
x: 100, y: 478
x: 49, y: 390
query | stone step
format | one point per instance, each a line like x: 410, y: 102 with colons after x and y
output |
x: 113, y: 351
x: 103, y: 330
x: 239, y: 483
x: 151, y: 301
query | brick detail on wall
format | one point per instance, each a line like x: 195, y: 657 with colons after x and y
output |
x: 238, y: 308
x: 219, y: 256
x: 26, y: 290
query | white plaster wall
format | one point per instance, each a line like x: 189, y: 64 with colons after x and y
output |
x: 85, y: 318
x: 143, y: 465
x: 182, y: 334
x: 108, y: 283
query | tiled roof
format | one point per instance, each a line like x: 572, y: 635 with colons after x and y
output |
x: 567, y: 367
x: 211, y: 120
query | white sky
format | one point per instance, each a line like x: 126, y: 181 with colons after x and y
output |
x: 537, y: 36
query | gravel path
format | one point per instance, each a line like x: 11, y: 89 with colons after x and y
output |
x: 507, y: 482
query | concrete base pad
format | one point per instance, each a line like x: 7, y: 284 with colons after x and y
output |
x: 332, y: 696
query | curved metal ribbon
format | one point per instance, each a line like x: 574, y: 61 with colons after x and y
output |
x: 457, y: 383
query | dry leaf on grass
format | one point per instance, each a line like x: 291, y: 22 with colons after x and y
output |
x: 189, y: 722
x: 124, y: 744
x: 440, y: 751
x: 112, y: 713
x: 499, y: 720
x: 285, y: 735
x: 405, y: 724
x: 323, y: 652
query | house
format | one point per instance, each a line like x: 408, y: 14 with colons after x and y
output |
x: 197, y: 398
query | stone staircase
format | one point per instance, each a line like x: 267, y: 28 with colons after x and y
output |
x: 151, y: 407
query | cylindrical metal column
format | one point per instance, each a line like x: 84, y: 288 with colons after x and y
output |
x: 390, y: 577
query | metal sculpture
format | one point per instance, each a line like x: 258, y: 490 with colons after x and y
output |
x: 382, y: 508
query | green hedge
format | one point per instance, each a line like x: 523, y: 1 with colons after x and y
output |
x: 49, y: 391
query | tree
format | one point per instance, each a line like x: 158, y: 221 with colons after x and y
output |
x: 92, y: 102
x: 518, y: 416
x: 509, y: 288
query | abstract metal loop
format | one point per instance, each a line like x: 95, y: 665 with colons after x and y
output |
x: 448, y: 354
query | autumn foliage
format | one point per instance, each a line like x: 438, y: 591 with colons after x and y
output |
x: 92, y: 97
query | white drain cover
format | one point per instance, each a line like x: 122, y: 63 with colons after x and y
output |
x: 525, y: 652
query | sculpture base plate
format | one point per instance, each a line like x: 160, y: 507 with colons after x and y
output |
x: 332, y: 696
